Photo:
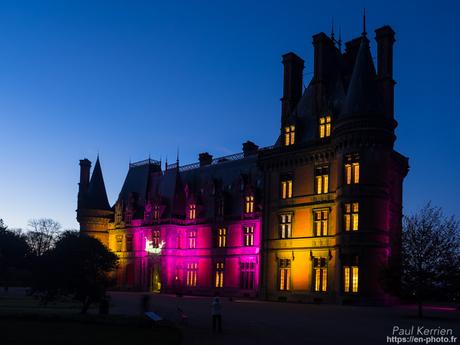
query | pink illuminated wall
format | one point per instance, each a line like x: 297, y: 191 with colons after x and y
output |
x: 136, y: 271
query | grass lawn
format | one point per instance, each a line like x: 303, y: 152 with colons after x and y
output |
x: 83, y: 329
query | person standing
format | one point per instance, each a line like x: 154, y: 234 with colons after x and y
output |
x: 216, y: 315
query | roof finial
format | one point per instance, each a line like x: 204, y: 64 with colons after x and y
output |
x: 166, y: 163
x: 177, y: 158
x: 339, y: 42
x: 364, y: 33
x: 332, y: 30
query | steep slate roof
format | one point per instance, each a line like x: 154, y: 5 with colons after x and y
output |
x: 96, y: 195
x: 363, y: 97
x: 348, y: 88
x: 223, y: 178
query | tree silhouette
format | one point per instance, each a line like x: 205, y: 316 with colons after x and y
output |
x: 78, y: 265
x: 430, y: 254
x: 13, y: 253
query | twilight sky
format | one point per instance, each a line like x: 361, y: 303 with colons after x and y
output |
x: 132, y: 78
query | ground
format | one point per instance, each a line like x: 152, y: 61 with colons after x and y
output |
x: 259, y: 322
x: 244, y: 322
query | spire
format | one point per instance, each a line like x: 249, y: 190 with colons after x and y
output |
x: 364, y: 33
x: 339, y: 42
x: 363, y: 97
x: 179, y: 198
x: 332, y: 30
x: 96, y: 196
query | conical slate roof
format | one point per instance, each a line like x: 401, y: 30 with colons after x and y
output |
x: 363, y: 96
x: 96, y: 196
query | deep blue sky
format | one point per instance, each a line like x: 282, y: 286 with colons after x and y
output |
x: 128, y: 79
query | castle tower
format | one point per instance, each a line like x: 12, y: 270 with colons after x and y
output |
x: 94, y: 211
x: 333, y: 181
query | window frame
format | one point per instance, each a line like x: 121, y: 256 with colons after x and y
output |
x: 285, y: 221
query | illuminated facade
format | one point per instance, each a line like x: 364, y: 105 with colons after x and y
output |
x: 314, y: 218
x: 191, y: 229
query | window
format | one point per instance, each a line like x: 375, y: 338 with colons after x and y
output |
x: 248, y: 236
x: 119, y: 243
x: 285, y: 274
x: 220, y: 207
x: 247, y: 270
x: 350, y: 278
x: 156, y: 212
x: 324, y: 126
x: 192, y: 239
x: 192, y: 212
x: 129, y: 243
x: 285, y: 225
x: 249, y: 204
x: 352, y: 173
x: 320, y: 274
x: 178, y: 239
x: 286, y: 188
x: 219, y: 275
x: 191, y: 274
x: 321, y: 218
x: 221, y: 237
x: 351, y: 216
x: 156, y: 238
x: 322, y: 180
x: 289, y: 135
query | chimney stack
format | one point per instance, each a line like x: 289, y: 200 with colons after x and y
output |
x: 249, y: 148
x: 385, y: 37
x: 292, y: 85
x: 85, y: 167
x: 205, y: 159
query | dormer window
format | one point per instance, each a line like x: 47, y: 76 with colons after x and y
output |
x: 289, y: 135
x: 249, y: 204
x: 220, y: 207
x: 324, y: 126
x: 192, y: 212
x: 156, y: 212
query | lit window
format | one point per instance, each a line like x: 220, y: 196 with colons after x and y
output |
x: 222, y: 237
x: 289, y: 135
x: 156, y: 212
x: 285, y: 274
x: 247, y: 273
x: 320, y: 222
x: 129, y: 243
x: 192, y: 239
x: 156, y: 238
x: 191, y: 274
x: 249, y: 204
x: 320, y: 274
x: 248, y: 236
x: 192, y: 212
x: 286, y: 189
x: 350, y: 278
x: 324, y: 126
x: 351, y: 216
x: 352, y: 173
x: 322, y: 180
x: 119, y: 243
x: 219, y: 275
x: 286, y: 225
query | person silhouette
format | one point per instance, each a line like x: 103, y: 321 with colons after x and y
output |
x: 216, y: 308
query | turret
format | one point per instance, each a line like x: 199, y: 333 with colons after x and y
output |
x: 94, y: 211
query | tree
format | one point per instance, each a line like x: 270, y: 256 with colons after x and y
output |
x: 42, y: 235
x: 430, y: 254
x: 78, y: 265
x: 13, y: 253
